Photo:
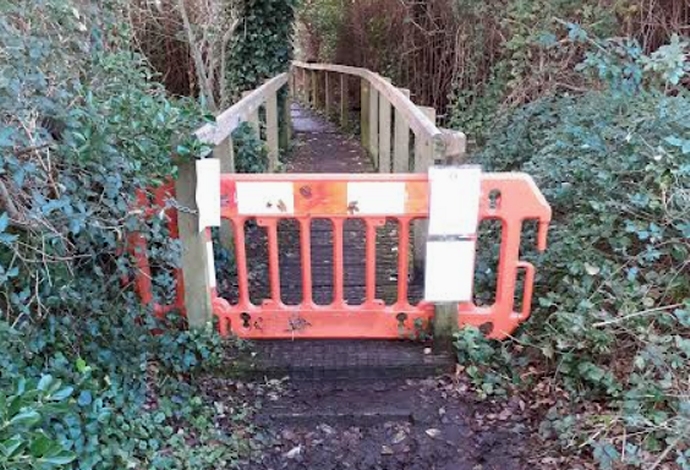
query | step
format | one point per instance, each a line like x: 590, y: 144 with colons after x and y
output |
x: 347, y: 360
x: 356, y: 403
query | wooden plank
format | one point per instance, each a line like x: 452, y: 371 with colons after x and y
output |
x: 329, y: 94
x: 344, y: 96
x: 315, y: 89
x: 303, y: 94
x: 225, y: 153
x: 423, y: 159
x: 364, y: 109
x: 373, y: 145
x: 401, y: 145
x: 195, y: 263
x: 384, y: 155
x: 286, y: 128
x: 227, y: 121
x: 272, y: 132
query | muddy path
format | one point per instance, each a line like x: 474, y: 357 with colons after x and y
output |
x: 430, y: 424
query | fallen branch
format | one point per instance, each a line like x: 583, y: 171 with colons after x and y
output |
x: 635, y: 314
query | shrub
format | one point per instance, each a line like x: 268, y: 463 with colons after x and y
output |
x: 85, y: 382
x: 614, y: 285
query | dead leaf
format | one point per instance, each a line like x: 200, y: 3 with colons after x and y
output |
x: 386, y: 450
x: 433, y: 433
x: 399, y: 437
x: 294, y: 452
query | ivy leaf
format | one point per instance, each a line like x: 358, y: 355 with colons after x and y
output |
x: 62, y: 394
x: 62, y: 458
x: 26, y: 418
x: 85, y: 398
x: 45, y: 382
x: 4, y: 222
x: 683, y: 316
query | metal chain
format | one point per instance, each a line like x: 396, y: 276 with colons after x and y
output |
x: 172, y: 202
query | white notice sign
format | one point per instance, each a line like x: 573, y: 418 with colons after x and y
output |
x: 453, y: 215
x: 454, y: 200
x: 208, y: 192
x: 449, y: 272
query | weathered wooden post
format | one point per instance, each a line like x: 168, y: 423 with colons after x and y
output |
x: 364, y: 112
x: 225, y: 153
x: 425, y: 154
x: 373, y: 144
x: 344, y: 96
x: 253, y: 118
x: 315, y: 87
x: 384, y: 143
x: 196, y: 265
x: 451, y: 244
x: 272, y: 131
x: 329, y: 93
x: 401, y: 144
x: 286, y: 128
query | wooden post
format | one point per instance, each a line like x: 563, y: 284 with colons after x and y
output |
x: 344, y: 96
x: 304, y: 89
x: 364, y: 109
x: 198, y: 279
x: 253, y: 118
x: 423, y: 159
x: 445, y: 325
x: 384, y: 144
x: 401, y: 146
x: 456, y: 146
x: 373, y: 144
x: 315, y: 89
x: 272, y: 131
x: 286, y: 128
x: 329, y: 94
x: 225, y: 153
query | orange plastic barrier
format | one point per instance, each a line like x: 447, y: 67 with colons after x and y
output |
x: 155, y: 206
x: 510, y: 198
x: 405, y: 197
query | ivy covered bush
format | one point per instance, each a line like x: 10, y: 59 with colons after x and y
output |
x: 611, y: 324
x: 261, y: 47
x: 84, y: 381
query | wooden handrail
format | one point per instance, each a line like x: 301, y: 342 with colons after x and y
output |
x: 227, y: 121
x: 417, y: 120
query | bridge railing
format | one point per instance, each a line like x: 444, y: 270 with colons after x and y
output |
x: 400, y: 137
x: 390, y: 124
x: 197, y: 269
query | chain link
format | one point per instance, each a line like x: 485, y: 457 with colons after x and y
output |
x: 172, y: 202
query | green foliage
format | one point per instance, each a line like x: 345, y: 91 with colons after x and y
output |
x: 84, y: 126
x: 132, y: 398
x: 251, y: 154
x: 261, y: 47
x: 325, y: 18
x: 614, y: 285
x: 24, y: 413
x: 484, y: 361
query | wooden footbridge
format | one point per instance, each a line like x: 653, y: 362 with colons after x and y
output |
x: 368, y: 237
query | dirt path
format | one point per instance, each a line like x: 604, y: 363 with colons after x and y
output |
x: 431, y: 424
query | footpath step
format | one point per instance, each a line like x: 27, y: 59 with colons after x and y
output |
x: 355, y: 403
x: 346, y: 360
